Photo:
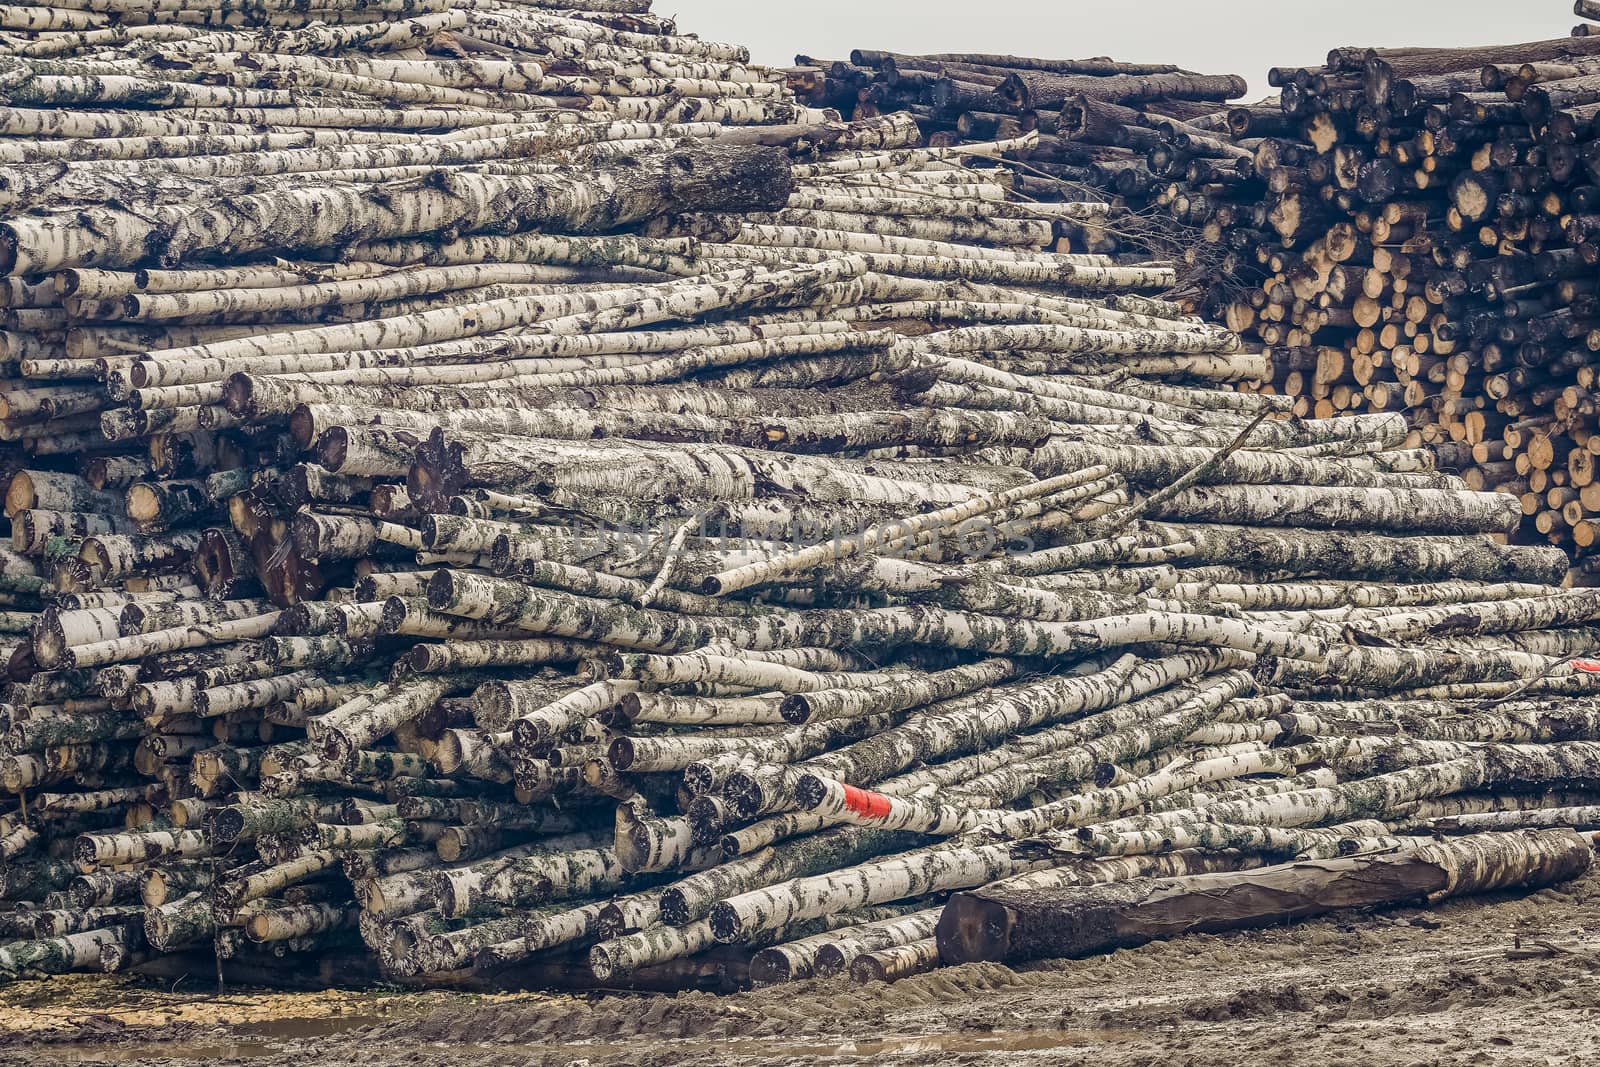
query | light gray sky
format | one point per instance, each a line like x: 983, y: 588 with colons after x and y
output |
x: 1217, y: 37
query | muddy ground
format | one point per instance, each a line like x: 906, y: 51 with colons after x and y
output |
x: 1508, y: 980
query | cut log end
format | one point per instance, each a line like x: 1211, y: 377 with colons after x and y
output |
x: 795, y: 709
x: 228, y: 825
x: 144, y: 503
x: 333, y: 448
x: 726, y: 926
x: 621, y: 753
x: 238, y: 394
x: 973, y: 929
x: 20, y: 494
x: 770, y: 968
x: 810, y: 791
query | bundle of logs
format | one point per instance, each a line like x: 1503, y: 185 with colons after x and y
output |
x: 1412, y: 230
x: 959, y: 98
x: 498, y: 538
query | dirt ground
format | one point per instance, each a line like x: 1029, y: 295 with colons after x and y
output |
x: 1509, y: 980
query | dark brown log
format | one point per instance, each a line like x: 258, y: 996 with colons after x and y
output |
x: 997, y: 924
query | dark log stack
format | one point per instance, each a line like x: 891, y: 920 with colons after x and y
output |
x: 1089, y: 117
x: 514, y: 496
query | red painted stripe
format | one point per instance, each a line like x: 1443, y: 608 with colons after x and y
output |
x: 864, y: 802
x: 1588, y: 666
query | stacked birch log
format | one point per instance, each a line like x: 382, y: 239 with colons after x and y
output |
x: 558, y: 544
x: 1413, y: 230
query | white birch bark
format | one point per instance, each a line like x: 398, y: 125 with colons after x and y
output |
x: 830, y: 953
x: 912, y: 874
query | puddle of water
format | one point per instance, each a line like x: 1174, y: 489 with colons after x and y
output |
x: 323, y: 1026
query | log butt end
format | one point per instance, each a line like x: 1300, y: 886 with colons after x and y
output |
x: 602, y: 965
x: 228, y: 825
x: 831, y: 962
x: 771, y: 968
x: 725, y: 924
x: 795, y: 709
x: 866, y: 969
x: 621, y: 753
x: 973, y: 929
x: 144, y: 502
x: 19, y: 494
x: 675, y: 909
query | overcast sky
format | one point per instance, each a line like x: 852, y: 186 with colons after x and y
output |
x: 1217, y: 37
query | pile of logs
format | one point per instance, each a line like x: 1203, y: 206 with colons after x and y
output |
x: 1412, y: 231
x: 959, y: 98
x: 511, y: 496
